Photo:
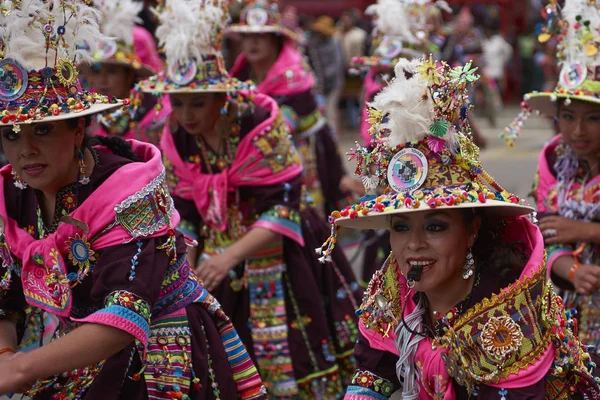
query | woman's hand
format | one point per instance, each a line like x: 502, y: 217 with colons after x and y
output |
x: 354, y: 186
x: 13, y: 376
x: 215, y: 269
x: 565, y: 230
x: 587, y: 279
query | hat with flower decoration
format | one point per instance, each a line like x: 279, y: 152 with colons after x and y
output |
x: 262, y: 16
x: 190, y: 35
x: 576, y: 28
x: 422, y: 155
x: 400, y: 31
x: 119, y: 18
x: 41, y: 43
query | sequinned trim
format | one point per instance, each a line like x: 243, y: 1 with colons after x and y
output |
x: 282, y: 220
x: 148, y: 210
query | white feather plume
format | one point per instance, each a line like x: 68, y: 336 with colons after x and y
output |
x: 23, y: 32
x: 409, y: 115
x: 391, y: 19
x: 575, y: 50
x: 187, y: 27
x: 119, y: 18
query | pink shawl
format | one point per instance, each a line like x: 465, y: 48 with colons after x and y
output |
x: 288, y: 76
x: 44, y: 272
x: 433, y: 366
x: 547, y: 181
x: 371, y: 87
x: 145, y: 124
x: 250, y: 167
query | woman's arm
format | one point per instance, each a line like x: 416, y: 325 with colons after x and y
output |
x: 585, y: 279
x: 85, y: 346
x: 214, y: 270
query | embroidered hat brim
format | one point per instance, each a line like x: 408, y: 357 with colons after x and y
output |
x: 277, y: 29
x: 547, y: 102
x: 93, y: 109
x: 142, y: 71
x: 160, y: 83
x: 381, y: 220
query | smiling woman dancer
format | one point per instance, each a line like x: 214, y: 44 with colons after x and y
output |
x: 236, y: 179
x: 463, y: 308
x: 87, y: 237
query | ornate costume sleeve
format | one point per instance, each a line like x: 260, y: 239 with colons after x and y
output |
x: 375, y: 376
x: 277, y: 207
x: 12, y: 299
x: 127, y: 281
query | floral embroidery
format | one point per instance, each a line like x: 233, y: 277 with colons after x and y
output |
x: 377, y: 384
x: 69, y: 200
x: 130, y: 301
x: 81, y: 255
x: 501, y: 336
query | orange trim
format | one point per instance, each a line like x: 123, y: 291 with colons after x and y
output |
x: 7, y: 350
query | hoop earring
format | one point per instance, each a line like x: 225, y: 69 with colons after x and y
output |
x: 83, y: 178
x: 18, y: 182
x: 469, y: 268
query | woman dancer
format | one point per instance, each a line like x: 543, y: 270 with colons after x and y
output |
x: 130, y: 55
x: 463, y: 308
x: 236, y: 179
x: 270, y: 59
x: 87, y: 236
x: 567, y: 185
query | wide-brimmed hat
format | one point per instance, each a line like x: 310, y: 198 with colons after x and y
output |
x: 191, y: 36
x: 422, y: 156
x: 42, y: 43
x: 119, y: 19
x: 400, y: 31
x: 262, y: 16
x: 576, y: 27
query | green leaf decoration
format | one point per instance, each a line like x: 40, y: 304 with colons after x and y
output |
x: 439, y: 128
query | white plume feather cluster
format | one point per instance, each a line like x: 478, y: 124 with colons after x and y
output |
x: 391, y: 19
x: 574, y: 49
x: 119, y: 18
x: 24, y: 38
x: 187, y: 28
x: 409, y: 115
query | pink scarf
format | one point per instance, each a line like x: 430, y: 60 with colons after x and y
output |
x: 250, y: 167
x: 371, y: 87
x: 44, y: 271
x: 287, y: 76
x: 140, y: 131
x: 433, y: 368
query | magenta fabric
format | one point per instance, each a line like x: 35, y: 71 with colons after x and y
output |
x: 139, y: 132
x: 431, y: 360
x: 371, y: 87
x: 547, y: 181
x: 209, y: 191
x: 286, y: 77
x: 145, y: 48
x: 45, y: 257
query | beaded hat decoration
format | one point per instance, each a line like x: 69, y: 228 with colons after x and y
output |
x: 576, y: 29
x: 400, y: 31
x: 422, y: 155
x: 190, y: 35
x: 119, y: 18
x: 262, y: 16
x: 41, y: 43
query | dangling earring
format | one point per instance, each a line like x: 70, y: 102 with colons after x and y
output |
x: 469, y: 268
x: 83, y: 178
x: 18, y: 182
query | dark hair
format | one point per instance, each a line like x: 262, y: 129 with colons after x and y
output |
x: 116, y: 145
x: 492, y: 252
